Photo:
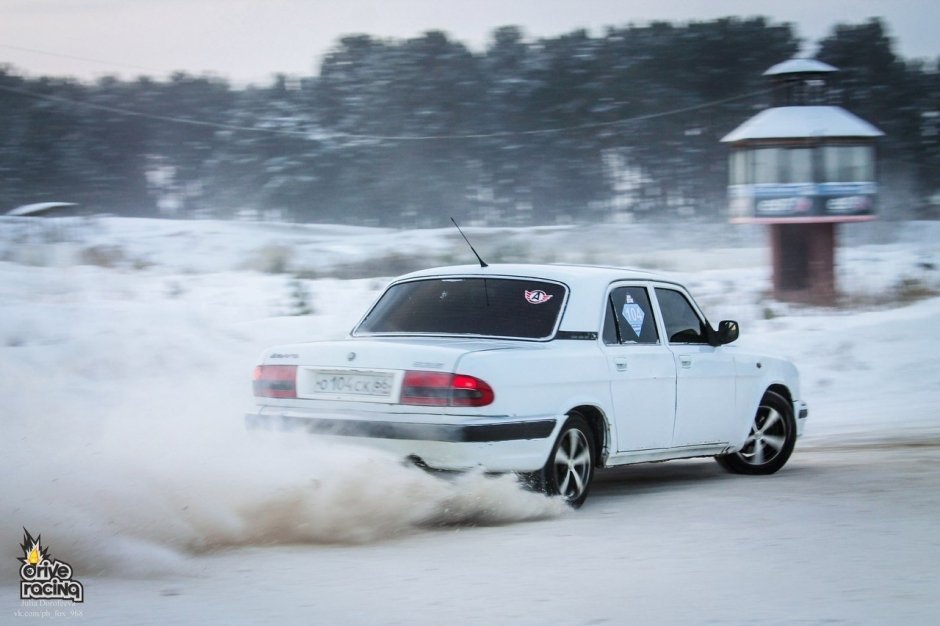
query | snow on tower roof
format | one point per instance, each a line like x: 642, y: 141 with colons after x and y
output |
x: 797, y: 66
x: 802, y: 122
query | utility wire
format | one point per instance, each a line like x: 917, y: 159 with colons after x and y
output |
x: 546, y: 131
x: 78, y: 58
x: 352, y: 136
x: 162, y: 118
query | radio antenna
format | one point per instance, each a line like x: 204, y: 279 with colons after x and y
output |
x: 482, y: 262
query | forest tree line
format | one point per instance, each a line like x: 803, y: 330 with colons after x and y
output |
x: 624, y: 125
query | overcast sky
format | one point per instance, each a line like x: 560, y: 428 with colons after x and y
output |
x: 251, y: 40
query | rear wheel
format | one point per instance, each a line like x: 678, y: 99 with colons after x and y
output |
x: 570, y: 467
x: 770, y: 442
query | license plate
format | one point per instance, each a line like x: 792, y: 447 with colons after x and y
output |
x: 351, y: 384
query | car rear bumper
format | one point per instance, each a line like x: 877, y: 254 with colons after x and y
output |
x: 493, y: 444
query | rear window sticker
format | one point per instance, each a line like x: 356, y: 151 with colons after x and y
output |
x: 537, y: 297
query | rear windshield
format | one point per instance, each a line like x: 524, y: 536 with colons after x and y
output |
x: 491, y: 307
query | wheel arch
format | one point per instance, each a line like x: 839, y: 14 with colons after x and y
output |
x: 755, y: 461
x: 600, y: 429
x: 781, y: 390
x: 752, y: 402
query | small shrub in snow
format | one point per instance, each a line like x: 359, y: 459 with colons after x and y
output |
x: 102, y: 256
x: 307, y: 273
x: 905, y: 290
x: 514, y: 252
x: 300, y: 298
x: 393, y: 264
x: 271, y: 259
x: 908, y: 290
x: 174, y: 289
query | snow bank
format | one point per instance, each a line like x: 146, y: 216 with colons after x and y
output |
x: 126, y: 346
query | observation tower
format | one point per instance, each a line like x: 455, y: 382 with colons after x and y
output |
x: 801, y: 167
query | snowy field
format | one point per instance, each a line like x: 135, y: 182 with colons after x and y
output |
x: 125, y: 353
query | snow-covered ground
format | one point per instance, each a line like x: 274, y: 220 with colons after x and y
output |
x: 125, y: 351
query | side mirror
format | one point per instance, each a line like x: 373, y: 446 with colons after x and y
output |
x: 727, y: 332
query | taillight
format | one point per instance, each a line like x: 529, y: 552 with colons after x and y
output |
x: 426, y: 388
x: 470, y: 391
x: 442, y: 389
x: 275, y: 381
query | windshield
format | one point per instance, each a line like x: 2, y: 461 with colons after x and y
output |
x: 491, y: 307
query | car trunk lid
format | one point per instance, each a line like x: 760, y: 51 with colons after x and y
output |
x: 371, y: 370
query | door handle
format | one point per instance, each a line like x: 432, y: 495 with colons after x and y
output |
x: 620, y: 365
x: 685, y: 361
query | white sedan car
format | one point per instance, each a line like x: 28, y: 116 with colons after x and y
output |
x: 549, y: 371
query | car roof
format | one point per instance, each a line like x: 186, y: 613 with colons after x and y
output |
x: 565, y: 273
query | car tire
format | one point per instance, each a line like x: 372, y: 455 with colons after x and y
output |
x: 569, y: 470
x: 769, y: 444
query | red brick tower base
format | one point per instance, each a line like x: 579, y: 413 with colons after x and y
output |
x: 804, y: 263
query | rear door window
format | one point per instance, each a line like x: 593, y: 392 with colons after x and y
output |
x: 630, y: 317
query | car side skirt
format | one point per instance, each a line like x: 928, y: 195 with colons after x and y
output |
x: 666, y: 454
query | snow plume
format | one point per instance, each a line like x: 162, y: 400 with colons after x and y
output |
x: 158, y: 482
x: 123, y: 442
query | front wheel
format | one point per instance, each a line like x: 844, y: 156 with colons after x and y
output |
x: 570, y: 467
x: 770, y: 442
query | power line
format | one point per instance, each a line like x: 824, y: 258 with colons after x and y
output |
x: 320, y: 135
x: 545, y: 131
x: 162, y: 118
x: 79, y: 58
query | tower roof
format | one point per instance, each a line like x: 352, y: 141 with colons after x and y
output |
x: 800, y: 66
x: 802, y: 122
